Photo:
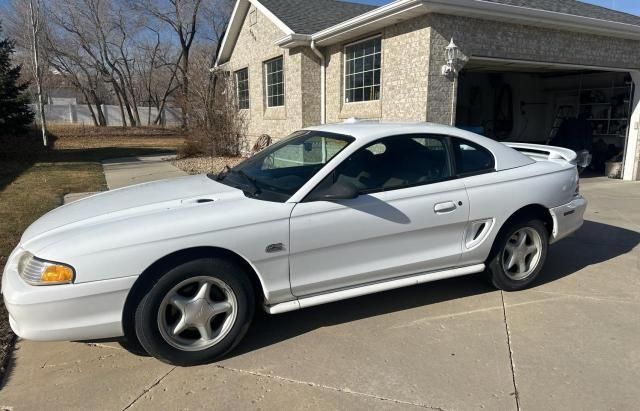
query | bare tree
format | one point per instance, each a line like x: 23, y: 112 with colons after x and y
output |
x: 156, y: 71
x: 97, y: 29
x: 80, y: 75
x: 182, y: 17
x: 218, y: 127
x: 138, y: 50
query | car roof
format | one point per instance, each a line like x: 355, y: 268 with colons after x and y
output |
x: 366, y: 131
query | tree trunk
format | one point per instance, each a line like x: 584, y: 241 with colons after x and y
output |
x: 93, y: 114
x: 185, y: 89
x: 129, y: 87
x: 167, y: 92
x: 102, y: 120
x: 124, y: 119
x: 134, y: 121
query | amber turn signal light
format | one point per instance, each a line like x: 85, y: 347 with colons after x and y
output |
x: 56, y: 274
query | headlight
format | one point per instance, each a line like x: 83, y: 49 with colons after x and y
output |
x: 41, y: 272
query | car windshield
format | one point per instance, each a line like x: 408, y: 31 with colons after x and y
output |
x: 278, y: 171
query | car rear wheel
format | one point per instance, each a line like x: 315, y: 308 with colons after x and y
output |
x: 196, y: 312
x: 519, y: 255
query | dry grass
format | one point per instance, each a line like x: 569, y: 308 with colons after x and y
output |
x: 32, y: 183
x: 77, y: 137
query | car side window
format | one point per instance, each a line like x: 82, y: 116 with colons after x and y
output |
x: 393, y: 163
x: 471, y: 158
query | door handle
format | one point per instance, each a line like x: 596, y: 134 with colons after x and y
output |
x: 446, y: 207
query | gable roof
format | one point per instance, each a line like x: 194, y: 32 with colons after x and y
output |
x: 310, y: 16
x: 569, y: 15
x: 326, y: 22
x: 576, y: 8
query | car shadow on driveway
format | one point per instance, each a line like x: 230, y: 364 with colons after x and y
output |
x: 594, y: 243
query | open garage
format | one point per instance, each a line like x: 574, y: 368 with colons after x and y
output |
x: 578, y: 107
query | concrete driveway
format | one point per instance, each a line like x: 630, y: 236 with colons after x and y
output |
x: 570, y: 342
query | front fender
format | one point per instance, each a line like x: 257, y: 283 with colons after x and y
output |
x: 128, y: 247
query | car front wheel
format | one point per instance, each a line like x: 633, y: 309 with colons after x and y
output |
x: 519, y: 255
x: 196, y: 312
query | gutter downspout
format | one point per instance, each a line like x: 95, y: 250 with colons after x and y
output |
x: 323, y: 78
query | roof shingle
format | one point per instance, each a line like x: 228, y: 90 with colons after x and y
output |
x: 311, y: 16
x: 575, y: 8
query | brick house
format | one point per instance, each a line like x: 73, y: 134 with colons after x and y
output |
x: 521, y: 66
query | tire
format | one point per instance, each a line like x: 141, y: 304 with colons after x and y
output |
x: 133, y: 346
x: 196, y: 312
x: 515, y: 262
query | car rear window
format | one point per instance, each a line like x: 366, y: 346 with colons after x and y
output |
x: 472, y: 158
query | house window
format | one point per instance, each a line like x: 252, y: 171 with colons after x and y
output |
x: 274, y: 82
x: 362, y: 71
x: 242, y: 88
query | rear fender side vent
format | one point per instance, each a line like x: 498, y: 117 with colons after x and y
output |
x: 477, y: 231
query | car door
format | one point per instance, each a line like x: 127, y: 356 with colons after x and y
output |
x: 409, y: 218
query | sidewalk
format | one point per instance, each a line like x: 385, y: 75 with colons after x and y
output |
x: 122, y: 172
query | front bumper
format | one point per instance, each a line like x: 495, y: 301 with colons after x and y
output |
x: 70, y: 312
x: 567, y: 218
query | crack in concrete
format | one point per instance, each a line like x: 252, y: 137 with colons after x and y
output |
x: 158, y: 381
x: 511, y: 361
x: 329, y: 388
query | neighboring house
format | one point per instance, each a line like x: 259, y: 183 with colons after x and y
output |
x: 520, y: 65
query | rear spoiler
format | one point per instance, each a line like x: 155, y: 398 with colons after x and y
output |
x: 541, y: 152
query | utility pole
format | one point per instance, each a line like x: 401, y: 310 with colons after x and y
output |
x: 34, y: 15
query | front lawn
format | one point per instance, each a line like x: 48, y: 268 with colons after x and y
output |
x: 33, y: 183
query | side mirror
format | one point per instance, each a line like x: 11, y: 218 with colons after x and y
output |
x: 338, y: 191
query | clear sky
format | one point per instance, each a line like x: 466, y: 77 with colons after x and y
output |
x: 628, y: 6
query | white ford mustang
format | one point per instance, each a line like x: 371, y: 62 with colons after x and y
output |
x: 176, y: 267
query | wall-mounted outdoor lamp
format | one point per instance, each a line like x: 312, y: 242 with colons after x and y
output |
x: 453, y: 54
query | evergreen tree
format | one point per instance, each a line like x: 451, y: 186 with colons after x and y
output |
x: 15, y: 114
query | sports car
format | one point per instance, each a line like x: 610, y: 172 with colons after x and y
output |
x: 177, y: 268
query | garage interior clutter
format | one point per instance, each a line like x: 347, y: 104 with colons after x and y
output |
x: 577, y: 109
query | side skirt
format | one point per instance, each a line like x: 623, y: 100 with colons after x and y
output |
x: 345, y: 294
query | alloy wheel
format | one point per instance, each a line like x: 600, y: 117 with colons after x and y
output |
x: 197, y: 313
x: 521, y: 254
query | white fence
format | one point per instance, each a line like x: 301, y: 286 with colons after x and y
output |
x: 80, y: 114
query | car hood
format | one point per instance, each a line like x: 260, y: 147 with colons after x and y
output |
x: 130, y: 202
